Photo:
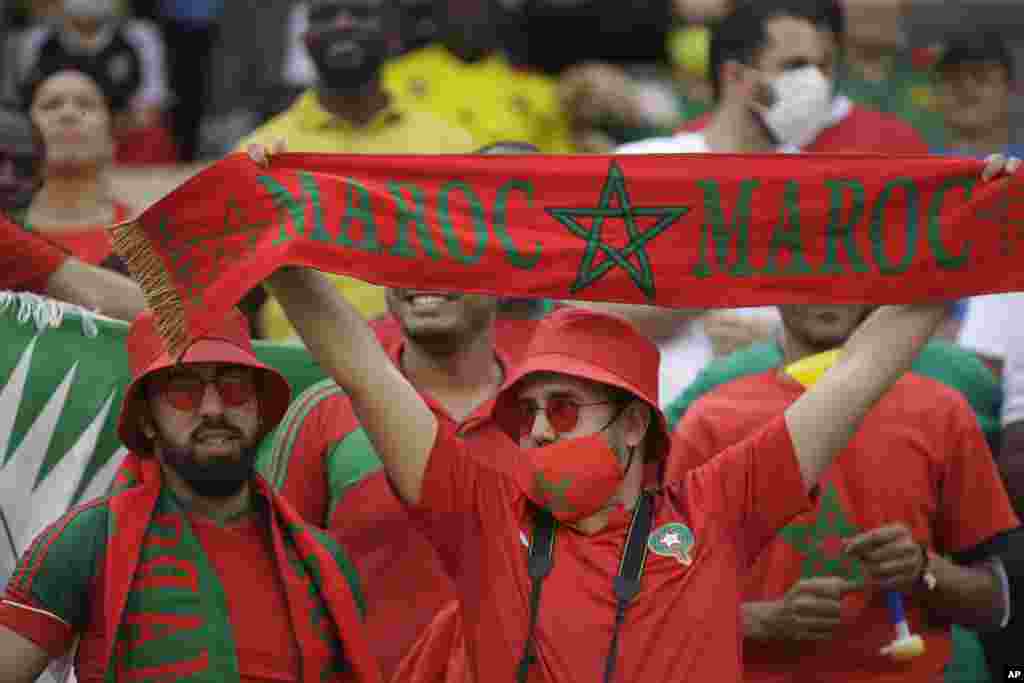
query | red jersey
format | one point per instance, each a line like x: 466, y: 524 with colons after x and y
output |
x: 67, y: 597
x: 684, y: 623
x: 325, y: 465
x: 89, y: 243
x: 26, y: 260
x: 861, y: 131
x: 919, y: 458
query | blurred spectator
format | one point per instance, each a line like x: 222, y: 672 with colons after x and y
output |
x: 246, y: 74
x: 75, y: 203
x: 418, y: 20
x: 466, y: 79
x: 190, y: 30
x: 880, y: 70
x: 125, y: 55
x: 975, y: 79
x: 556, y: 34
x: 350, y: 111
x: 989, y: 325
x: 1011, y: 455
x: 847, y: 127
x: 29, y: 262
x: 815, y: 606
x: 20, y: 159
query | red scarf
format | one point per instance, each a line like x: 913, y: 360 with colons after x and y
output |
x: 672, y: 230
x: 139, y: 523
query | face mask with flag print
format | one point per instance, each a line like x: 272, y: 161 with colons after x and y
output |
x: 572, y: 478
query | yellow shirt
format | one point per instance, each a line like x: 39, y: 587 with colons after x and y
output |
x: 308, y: 127
x: 489, y: 98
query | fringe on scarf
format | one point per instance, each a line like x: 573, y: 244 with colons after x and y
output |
x: 130, y: 241
x: 45, y: 312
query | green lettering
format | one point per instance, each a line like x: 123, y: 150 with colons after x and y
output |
x: 295, y: 208
x: 878, y: 215
x: 358, y: 208
x: 479, y: 222
x: 788, y: 234
x: 837, y: 230
x: 715, y: 229
x: 416, y: 216
x: 943, y: 258
x: 514, y: 256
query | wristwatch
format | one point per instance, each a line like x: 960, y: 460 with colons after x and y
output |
x: 926, y: 578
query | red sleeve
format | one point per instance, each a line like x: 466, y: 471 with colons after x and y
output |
x: 973, y: 504
x: 693, y: 444
x: 26, y: 260
x: 35, y: 624
x: 303, y: 457
x: 754, y: 487
x: 453, y: 477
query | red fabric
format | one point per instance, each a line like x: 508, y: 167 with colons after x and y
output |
x: 133, y: 509
x: 918, y: 458
x: 631, y: 228
x: 563, y: 342
x: 683, y: 625
x: 264, y: 639
x: 862, y: 131
x: 406, y: 583
x: 146, y: 146
x: 26, y: 260
x: 90, y: 244
x: 42, y: 628
x: 439, y: 656
x: 229, y: 342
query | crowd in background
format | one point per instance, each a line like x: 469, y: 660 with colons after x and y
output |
x: 90, y: 86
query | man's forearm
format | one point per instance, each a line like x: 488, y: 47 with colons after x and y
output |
x: 822, y: 421
x: 969, y: 596
x: 398, y: 421
x: 97, y: 289
x: 333, y: 331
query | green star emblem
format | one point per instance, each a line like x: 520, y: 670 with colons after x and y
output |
x: 553, y: 493
x: 615, y: 203
x: 820, y: 541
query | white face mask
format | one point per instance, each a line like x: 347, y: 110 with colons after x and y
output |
x: 803, y: 106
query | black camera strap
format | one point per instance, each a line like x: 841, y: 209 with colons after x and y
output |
x: 627, y: 582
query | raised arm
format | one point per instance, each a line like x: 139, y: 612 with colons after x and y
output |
x: 397, y: 420
x: 823, y: 420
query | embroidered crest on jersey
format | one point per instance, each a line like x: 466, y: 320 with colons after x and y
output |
x: 673, y: 540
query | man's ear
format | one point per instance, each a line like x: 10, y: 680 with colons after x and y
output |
x: 638, y: 421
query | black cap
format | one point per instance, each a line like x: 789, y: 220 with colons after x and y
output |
x: 974, y: 48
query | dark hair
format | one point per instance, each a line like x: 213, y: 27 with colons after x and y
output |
x: 975, y: 48
x: 741, y: 35
x: 509, y: 147
x: 106, y: 87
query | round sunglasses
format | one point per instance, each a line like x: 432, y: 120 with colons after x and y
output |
x: 186, y: 392
x: 561, y: 412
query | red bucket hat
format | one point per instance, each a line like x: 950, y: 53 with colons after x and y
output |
x: 229, y: 343
x: 597, y: 347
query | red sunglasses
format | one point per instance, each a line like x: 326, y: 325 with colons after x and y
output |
x: 561, y: 412
x: 185, y: 392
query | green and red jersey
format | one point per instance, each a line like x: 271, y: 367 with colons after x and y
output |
x: 324, y: 463
x: 684, y: 623
x: 201, y: 601
x: 918, y: 458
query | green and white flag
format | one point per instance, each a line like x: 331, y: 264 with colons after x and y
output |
x: 63, y: 371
